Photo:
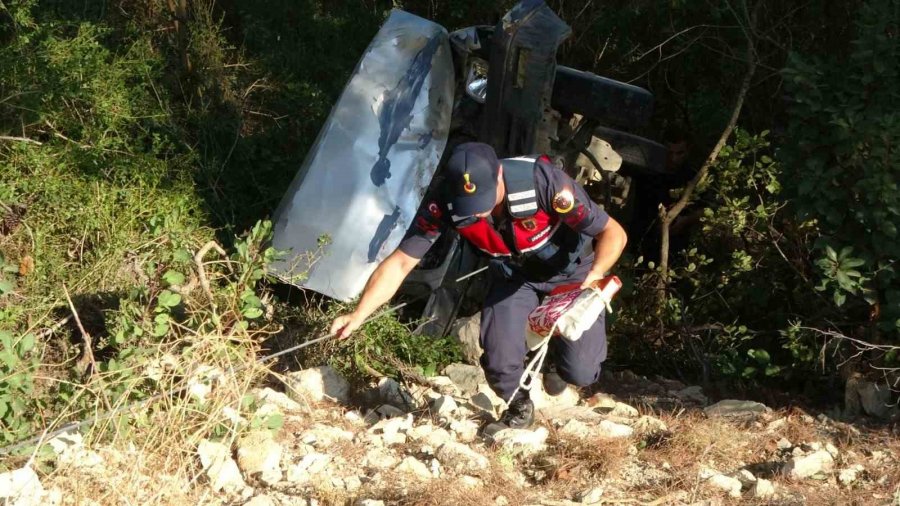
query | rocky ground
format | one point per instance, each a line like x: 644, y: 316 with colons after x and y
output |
x: 655, y: 441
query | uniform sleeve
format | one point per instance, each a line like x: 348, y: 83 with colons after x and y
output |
x: 427, y: 226
x: 559, y: 195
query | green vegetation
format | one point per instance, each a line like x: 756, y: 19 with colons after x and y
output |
x: 133, y: 135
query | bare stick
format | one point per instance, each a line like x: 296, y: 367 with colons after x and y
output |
x: 201, y: 271
x: 20, y: 139
x: 88, y: 356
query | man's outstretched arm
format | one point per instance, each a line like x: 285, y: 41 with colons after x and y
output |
x: 382, y: 285
x: 607, y: 250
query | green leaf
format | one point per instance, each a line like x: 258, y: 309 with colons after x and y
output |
x: 181, y: 255
x: 6, y: 286
x: 160, y: 329
x: 252, y: 312
x: 839, y: 298
x: 173, y: 277
x: 168, y: 299
x: 761, y: 356
x: 26, y: 344
x: 772, y: 370
x: 275, y: 421
x: 830, y: 253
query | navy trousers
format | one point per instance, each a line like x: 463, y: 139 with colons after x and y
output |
x: 503, y: 321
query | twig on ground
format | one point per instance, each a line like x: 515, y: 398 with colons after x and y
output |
x: 20, y: 139
x: 87, y: 357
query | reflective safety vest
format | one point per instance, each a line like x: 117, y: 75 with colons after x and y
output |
x: 536, y: 242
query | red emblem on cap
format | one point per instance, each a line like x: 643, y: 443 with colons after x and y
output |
x: 469, y: 187
x: 529, y: 224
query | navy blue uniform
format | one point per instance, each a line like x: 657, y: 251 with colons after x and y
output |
x: 519, y: 276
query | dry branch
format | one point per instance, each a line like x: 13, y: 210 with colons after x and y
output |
x: 668, y: 216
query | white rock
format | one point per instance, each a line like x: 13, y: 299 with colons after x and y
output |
x: 590, y: 496
x: 444, y: 385
x: 467, y: 332
x: 393, y: 426
x: 317, y: 384
x: 850, y: 475
x: 576, y: 428
x: 731, y: 408
x: 379, y: 459
x: 522, y: 441
x: 774, y: 425
x: 280, y: 399
x: 415, y: 467
x: 465, y: 377
x: 443, y: 406
x: 726, y: 483
x: 784, y: 444
x: 625, y: 411
x: 544, y: 402
x: 501, y: 500
x: 261, y: 500
x: 614, y: 430
x: 648, y: 425
x: 482, y: 401
x: 459, y: 457
x: 745, y: 477
x: 220, y: 468
x: 470, y: 482
x: 322, y: 436
x: 394, y: 439
x: 259, y: 454
x: 368, y: 502
x: 830, y: 448
x: 809, y: 465
x: 763, y: 489
x: 466, y: 430
x: 313, y: 463
x: 21, y: 487
x: 352, y: 483
x: 434, y: 440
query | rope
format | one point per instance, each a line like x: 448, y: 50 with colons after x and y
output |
x: 73, y: 426
x: 529, y: 376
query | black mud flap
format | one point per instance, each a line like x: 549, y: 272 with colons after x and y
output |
x: 603, y: 100
x: 639, y: 155
x: 521, y: 76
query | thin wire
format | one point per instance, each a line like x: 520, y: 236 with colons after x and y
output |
x: 72, y: 426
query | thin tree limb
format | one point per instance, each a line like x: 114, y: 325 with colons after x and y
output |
x: 668, y: 216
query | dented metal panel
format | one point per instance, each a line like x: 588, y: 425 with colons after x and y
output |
x: 363, y: 179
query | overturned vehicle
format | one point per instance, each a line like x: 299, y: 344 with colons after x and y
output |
x: 418, y: 91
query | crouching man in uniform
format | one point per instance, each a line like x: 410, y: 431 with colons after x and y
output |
x: 541, y: 231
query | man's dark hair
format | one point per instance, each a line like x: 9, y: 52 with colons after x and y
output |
x: 676, y: 133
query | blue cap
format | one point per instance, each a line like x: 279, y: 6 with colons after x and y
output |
x: 472, y: 178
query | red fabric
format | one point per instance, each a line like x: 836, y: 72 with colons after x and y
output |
x: 485, y: 238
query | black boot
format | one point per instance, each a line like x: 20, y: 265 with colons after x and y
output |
x: 519, y: 415
x: 553, y: 382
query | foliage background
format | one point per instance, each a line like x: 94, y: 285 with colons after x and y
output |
x: 150, y: 130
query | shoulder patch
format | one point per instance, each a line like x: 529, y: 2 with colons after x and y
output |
x: 563, y: 201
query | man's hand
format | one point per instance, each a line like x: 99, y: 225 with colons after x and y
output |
x: 344, y: 325
x: 592, y: 279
